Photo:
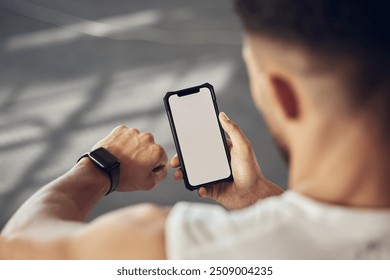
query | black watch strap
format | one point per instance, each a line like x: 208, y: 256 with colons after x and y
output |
x: 105, y: 161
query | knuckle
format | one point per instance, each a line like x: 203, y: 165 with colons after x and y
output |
x: 148, y: 136
x: 119, y: 129
x: 134, y: 131
x: 159, y: 149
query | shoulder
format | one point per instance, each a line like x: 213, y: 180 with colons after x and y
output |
x: 208, y: 231
x: 135, y: 232
x: 290, y: 226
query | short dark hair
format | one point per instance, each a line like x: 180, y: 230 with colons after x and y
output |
x: 357, y: 28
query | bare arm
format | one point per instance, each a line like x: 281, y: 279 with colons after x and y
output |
x: 51, y: 224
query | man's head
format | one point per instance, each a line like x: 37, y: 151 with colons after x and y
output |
x: 314, y: 63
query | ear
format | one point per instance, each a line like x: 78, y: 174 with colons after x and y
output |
x: 286, y: 97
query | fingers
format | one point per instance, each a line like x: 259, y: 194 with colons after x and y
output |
x: 158, y: 158
x: 178, y: 175
x: 161, y: 155
x: 147, y: 137
x: 204, y: 192
x: 160, y: 173
x: 122, y: 129
x: 229, y: 144
x: 175, y: 162
x: 160, y: 168
x: 237, y: 137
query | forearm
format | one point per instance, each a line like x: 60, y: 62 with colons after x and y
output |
x: 74, y: 195
x: 51, y: 215
x: 50, y: 225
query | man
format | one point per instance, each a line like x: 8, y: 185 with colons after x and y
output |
x: 319, y: 73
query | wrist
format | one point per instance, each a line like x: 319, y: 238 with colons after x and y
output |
x: 93, y: 179
x: 107, y: 162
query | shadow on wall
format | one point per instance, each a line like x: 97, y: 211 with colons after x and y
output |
x: 71, y: 71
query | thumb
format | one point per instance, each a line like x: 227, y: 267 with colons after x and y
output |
x: 233, y: 130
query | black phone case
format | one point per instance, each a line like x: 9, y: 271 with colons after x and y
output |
x: 187, y: 91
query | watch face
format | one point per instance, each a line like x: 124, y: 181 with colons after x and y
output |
x: 104, y: 158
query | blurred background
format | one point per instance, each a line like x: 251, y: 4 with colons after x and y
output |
x: 70, y: 71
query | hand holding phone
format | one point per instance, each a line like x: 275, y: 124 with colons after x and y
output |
x: 249, y: 184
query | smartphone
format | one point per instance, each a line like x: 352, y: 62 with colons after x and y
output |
x: 199, y: 138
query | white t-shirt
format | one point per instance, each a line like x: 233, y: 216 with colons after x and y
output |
x: 289, y: 226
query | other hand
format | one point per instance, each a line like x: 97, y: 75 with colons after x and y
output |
x: 143, y: 162
x: 249, y: 184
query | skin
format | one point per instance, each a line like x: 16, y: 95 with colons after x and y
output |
x: 322, y: 136
x: 348, y: 170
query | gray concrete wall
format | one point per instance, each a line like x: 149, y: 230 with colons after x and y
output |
x: 70, y: 71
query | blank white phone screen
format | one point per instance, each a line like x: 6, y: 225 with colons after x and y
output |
x: 199, y: 136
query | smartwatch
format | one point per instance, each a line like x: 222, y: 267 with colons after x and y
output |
x: 105, y: 161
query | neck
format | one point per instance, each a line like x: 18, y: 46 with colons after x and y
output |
x: 343, y: 163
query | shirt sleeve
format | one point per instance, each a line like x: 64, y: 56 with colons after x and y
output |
x: 202, y: 231
x: 188, y: 231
